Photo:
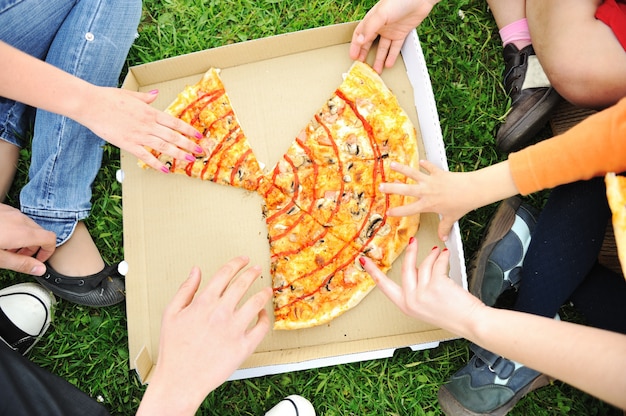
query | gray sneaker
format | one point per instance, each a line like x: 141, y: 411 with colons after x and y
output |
x: 498, y: 264
x: 488, y: 385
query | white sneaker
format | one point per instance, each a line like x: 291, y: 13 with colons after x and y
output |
x: 293, y: 405
x: 25, y: 314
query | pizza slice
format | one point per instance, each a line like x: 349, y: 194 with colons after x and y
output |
x: 228, y: 158
x: 616, y: 195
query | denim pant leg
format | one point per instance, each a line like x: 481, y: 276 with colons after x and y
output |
x: 44, y: 19
x: 92, y: 43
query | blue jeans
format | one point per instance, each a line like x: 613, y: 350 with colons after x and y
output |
x: 89, y: 39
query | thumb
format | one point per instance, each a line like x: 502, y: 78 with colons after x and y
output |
x: 21, y: 263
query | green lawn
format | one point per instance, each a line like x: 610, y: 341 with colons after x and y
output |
x: 462, y: 48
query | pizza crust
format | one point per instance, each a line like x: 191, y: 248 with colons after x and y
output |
x: 616, y: 195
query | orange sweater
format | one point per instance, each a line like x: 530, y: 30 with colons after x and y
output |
x: 594, y: 147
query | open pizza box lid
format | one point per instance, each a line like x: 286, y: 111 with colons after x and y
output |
x: 172, y: 222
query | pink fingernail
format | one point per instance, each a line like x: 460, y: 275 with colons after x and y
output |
x: 199, y: 150
x: 165, y: 169
x: 199, y: 135
x: 190, y: 158
x: 362, y: 261
x: 154, y: 92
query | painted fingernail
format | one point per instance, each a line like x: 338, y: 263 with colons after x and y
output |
x: 199, y: 150
x: 199, y: 136
x: 190, y: 158
x: 165, y: 169
x: 411, y: 240
x: 362, y: 261
x: 435, y: 248
x: 445, y: 249
x: 154, y: 92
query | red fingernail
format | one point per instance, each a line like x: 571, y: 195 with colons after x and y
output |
x: 445, y: 249
x: 411, y: 240
x: 362, y: 261
x: 435, y: 248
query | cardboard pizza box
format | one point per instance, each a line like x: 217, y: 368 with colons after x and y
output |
x: 172, y: 222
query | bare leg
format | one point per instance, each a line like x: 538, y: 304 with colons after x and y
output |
x: 507, y: 11
x: 9, y: 154
x: 78, y: 256
x: 580, y: 54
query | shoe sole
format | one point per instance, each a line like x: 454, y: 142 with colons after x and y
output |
x: 498, y: 227
x: 451, y: 407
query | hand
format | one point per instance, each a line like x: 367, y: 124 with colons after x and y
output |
x: 125, y: 119
x: 20, y: 239
x: 204, y: 340
x: 448, y: 194
x: 393, y: 20
x: 427, y: 293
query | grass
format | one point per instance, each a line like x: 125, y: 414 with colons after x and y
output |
x: 89, y: 347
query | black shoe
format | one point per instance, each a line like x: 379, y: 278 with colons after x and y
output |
x: 104, y: 288
x: 532, y: 99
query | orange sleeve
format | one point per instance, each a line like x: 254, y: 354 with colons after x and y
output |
x: 593, y: 147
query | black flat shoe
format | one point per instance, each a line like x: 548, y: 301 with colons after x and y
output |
x: 104, y: 288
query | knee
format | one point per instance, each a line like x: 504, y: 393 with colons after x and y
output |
x: 585, y: 87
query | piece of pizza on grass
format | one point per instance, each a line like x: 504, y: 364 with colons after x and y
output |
x: 228, y: 158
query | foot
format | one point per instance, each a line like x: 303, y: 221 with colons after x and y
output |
x: 497, y: 267
x: 532, y: 99
x: 293, y: 405
x: 488, y: 385
x: 25, y: 314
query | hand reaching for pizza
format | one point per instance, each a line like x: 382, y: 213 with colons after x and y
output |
x: 392, y: 20
x: 124, y: 119
x: 205, y: 338
x: 20, y: 239
x: 427, y: 293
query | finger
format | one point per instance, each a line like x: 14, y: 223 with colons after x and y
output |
x: 222, y: 278
x: 429, y: 167
x: 382, y: 51
x: 21, y: 264
x: 385, y: 284
x: 178, y: 129
x: 405, y: 170
x: 445, y: 226
x: 256, y: 334
x: 254, y: 305
x: 34, y: 236
x: 185, y: 293
x: 238, y: 288
x: 397, y: 188
x: 442, y: 263
x: 409, y: 270
x: 46, y: 252
x: 148, y: 158
x: 405, y: 210
x: 425, y: 269
x: 392, y: 54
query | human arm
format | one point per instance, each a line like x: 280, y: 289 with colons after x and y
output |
x: 559, y: 349
x: 392, y: 20
x: 123, y: 118
x: 594, y: 147
x: 20, y: 239
x: 206, y: 338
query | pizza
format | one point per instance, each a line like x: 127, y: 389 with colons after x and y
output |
x: 322, y: 204
x: 323, y: 207
x: 228, y: 158
x: 616, y: 195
